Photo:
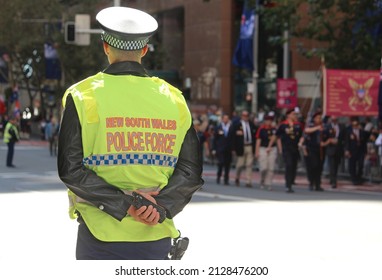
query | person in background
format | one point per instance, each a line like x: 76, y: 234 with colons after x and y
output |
x: 315, y: 151
x: 355, y: 150
x: 51, y: 135
x: 288, y: 135
x: 243, y: 144
x: 203, y: 145
x: 378, y: 143
x: 222, y: 148
x: 10, y: 137
x: 333, y: 141
x: 266, y: 151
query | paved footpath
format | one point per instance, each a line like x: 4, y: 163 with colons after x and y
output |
x: 335, y: 234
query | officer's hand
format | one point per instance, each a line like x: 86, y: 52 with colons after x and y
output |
x: 146, y: 215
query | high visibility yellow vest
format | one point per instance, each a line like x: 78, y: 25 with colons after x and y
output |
x: 132, y: 131
x: 7, y: 136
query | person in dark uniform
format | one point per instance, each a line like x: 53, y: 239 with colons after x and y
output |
x: 244, y: 144
x: 355, y: 149
x: 222, y: 149
x: 333, y: 141
x: 315, y: 151
x: 266, y: 151
x: 302, y: 146
x: 288, y: 135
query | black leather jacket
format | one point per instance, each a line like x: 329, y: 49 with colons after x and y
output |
x: 85, y: 183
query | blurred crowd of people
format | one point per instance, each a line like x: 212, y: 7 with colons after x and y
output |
x: 274, y: 141
x: 11, y: 129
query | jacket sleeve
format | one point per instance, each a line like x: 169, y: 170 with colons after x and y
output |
x: 80, y: 180
x: 186, y: 179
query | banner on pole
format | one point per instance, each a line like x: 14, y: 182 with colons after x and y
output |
x: 243, y: 54
x: 286, y: 93
x: 351, y: 92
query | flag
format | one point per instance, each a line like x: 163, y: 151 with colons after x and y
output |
x: 2, y: 105
x: 380, y: 95
x: 364, y: 24
x: 351, y: 92
x: 243, y: 55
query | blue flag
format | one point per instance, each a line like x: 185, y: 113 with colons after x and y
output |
x: 374, y: 31
x: 243, y: 55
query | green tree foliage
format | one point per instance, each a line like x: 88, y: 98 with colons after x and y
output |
x: 27, y: 25
x: 346, y: 29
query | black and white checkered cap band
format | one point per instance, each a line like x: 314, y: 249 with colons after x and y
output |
x: 121, y: 44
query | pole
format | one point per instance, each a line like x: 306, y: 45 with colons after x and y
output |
x: 255, y: 73
x: 117, y: 3
x: 286, y: 53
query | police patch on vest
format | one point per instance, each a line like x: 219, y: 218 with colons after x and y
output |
x: 137, y: 141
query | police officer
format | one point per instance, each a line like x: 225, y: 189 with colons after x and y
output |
x: 266, y: 151
x: 222, y: 148
x: 355, y: 149
x: 125, y: 131
x: 315, y: 151
x: 11, y: 136
x: 288, y: 136
x: 333, y: 141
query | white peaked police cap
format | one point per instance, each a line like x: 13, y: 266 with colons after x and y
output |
x: 126, y: 28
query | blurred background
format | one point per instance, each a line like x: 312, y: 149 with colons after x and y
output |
x: 225, y: 55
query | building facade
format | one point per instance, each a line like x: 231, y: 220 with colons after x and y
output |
x: 194, y: 46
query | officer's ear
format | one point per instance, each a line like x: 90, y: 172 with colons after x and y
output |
x: 144, y: 50
x: 106, y: 48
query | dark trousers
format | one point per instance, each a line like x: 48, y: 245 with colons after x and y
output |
x: 53, y: 146
x: 224, y: 163
x: 356, y: 167
x: 11, y: 149
x: 314, y: 165
x: 334, y: 162
x: 290, y: 160
x: 90, y: 248
x: 308, y: 168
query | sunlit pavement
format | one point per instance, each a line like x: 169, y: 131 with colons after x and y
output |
x: 336, y: 234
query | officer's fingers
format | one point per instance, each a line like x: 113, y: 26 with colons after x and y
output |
x: 133, y: 213
x: 147, y: 213
x: 151, y: 218
x: 141, y: 210
x: 157, y: 217
x: 155, y: 220
x: 150, y: 197
x: 153, y: 193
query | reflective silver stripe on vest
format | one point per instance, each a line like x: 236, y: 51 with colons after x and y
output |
x: 127, y: 159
